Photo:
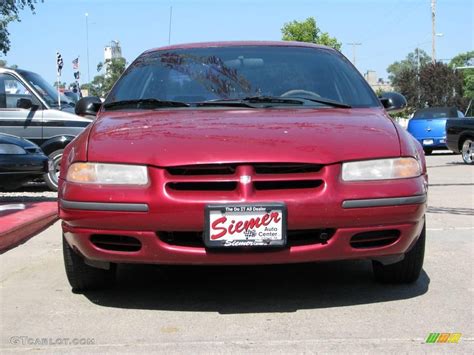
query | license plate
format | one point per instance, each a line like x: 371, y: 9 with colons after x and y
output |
x: 245, y: 225
x: 428, y: 141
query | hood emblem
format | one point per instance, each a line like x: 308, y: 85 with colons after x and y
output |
x: 428, y: 129
x: 245, y: 179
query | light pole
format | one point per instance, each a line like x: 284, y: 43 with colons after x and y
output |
x: 433, y: 59
x: 354, y: 44
x: 169, y: 29
x: 87, y: 48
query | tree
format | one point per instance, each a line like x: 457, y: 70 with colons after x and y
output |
x: 308, y: 31
x: 434, y: 85
x: 413, y: 60
x: 4, y: 64
x: 101, y: 84
x: 464, y: 60
x: 9, y: 11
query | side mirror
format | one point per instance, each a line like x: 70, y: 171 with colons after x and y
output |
x: 88, y: 106
x: 393, y: 101
x: 24, y: 103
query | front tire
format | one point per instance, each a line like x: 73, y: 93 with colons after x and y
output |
x: 405, y: 271
x: 51, y: 178
x: 83, y: 277
x: 467, y: 151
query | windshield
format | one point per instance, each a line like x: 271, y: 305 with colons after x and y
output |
x: 238, y: 72
x: 435, y: 113
x: 46, y: 90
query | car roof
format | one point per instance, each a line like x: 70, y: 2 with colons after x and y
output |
x: 239, y: 44
x: 16, y: 70
x: 450, y: 111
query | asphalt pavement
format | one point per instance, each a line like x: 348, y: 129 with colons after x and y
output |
x: 327, y: 307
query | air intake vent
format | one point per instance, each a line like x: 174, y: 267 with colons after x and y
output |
x: 374, y: 239
x: 116, y: 242
x: 294, y: 237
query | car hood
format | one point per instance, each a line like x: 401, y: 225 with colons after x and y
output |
x: 19, y: 141
x: 67, y: 113
x: 183, y: 136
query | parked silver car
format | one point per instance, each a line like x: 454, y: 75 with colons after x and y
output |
x: 29, y: 108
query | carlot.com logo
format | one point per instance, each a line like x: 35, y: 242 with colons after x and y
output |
x: 443, y: 338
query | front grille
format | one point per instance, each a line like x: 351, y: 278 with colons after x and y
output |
x: 228, y: 177
x: 116, y: 242
x: 286, y: 168
x: 294, y: 237
x: 375, y: 239
x: 193, y: 170
x: 203, y: 186
x: 284, y: 185
x: 229, y: 169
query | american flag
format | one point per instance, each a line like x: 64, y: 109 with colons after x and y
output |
x: 59, y: 62
x: 75, y: 63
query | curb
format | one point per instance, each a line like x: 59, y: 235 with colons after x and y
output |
x: 23, y: 221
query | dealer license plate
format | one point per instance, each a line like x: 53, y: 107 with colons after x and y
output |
x: 245, y: 225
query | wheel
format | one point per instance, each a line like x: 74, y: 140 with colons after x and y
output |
x: 467, y: 151
x: 428, y: 151
x: 51, y: 178
x: 405, y: 271
x: 83, y: 277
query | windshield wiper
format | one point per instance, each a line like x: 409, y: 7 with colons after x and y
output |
x: 271, y: 100
x: 322, y: 100
x: 248, y: 101
x: 144, y: 104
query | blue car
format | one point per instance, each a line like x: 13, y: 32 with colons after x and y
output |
x: 428, y: 126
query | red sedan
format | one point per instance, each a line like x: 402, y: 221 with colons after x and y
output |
x: 242, y: 153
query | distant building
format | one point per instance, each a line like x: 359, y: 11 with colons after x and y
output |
x: 377, y: 84
x: 113, y: 50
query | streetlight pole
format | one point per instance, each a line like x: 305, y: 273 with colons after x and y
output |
x: 169, y: 29
x: 433, y: 31
x: 87, y: 48
x: 354, y: 44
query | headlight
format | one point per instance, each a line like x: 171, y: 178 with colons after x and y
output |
x: 11, y: 149
x: 381, y: 169
x: 109, y: 174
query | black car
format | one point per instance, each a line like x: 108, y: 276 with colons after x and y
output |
x: 460, y: 137
x: 20, y: 161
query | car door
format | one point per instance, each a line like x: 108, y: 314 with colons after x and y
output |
x: 16, y: 117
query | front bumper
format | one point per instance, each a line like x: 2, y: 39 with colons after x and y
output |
x: 23, y: 164
x: 347, y: 209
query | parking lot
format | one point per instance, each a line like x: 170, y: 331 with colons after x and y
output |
x: 285, y: 309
